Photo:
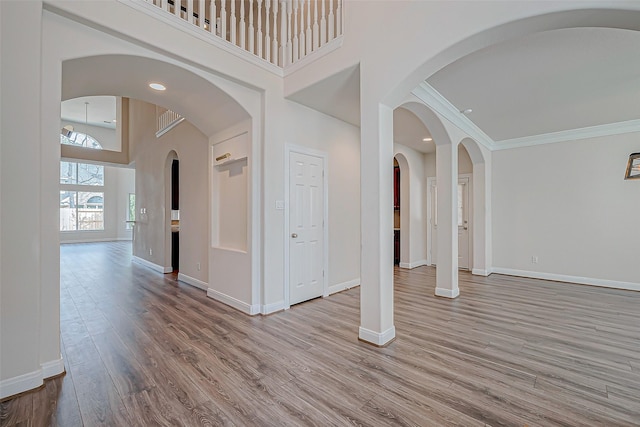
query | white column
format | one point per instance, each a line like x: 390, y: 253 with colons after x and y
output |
x: 376, y: 265
x: 447, y: 232
x: 28, y: 339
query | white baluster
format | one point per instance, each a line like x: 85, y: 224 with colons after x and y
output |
x: 316, y: 35
x: 232, y: 22
x: 201, y: 21
x: 223, y: 19
x: 332, y: 23
x: 274, y: 42
x: 296, y: 46
x: 308, y: 30
x: 164, y: 5
x: 323, y: 25
x: 242, y: 29
x: 252, y: 35
x: 267, y: 37
x: 284, y: 60
x: 259, y: 33
x: 190, y: 11
x: 213, y: 22
x: 177, y: 7
x: 303, y: 41
x: 289, y: 46
x: 339, y: 18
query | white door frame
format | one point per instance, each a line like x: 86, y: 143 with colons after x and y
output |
x: 288, y: 149
x: 430, y: 181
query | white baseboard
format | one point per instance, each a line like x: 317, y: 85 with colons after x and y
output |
x: 375, y: 337
x: 193, y: 281
x: 31, y: 380
x: 630, y: 286
x: 272, y: 308
x: 413, y: 264
x: 447, y: 293
x: 98, y: 240
x: 52, y: 368
x: 149, y: 264
x: 344, y: 286
x: 233, y: 302
x: 481, y: 272
x: 21, y: 383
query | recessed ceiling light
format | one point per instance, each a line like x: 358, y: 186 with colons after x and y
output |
x: 427, y: 139
x: 467, y: 111
x: 157, y: 86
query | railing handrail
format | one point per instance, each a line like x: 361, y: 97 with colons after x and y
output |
x: 281, y: 32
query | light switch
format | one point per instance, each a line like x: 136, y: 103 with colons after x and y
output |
x: 280, y: 205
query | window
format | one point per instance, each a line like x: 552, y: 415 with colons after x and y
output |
x: 81, y: 198
x: 80, y: 140
x: 131, y: 211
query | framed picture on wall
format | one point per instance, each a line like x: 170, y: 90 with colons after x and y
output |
x: 633, y: 167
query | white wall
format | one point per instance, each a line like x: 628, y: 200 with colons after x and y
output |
x: 300, y: 125
x: 118, y: 183
x: 567, y: 204
x: 150, y: 156
x: 413, y: 239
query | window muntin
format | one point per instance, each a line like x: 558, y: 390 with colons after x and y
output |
x: 80, y: 140
x: 81, y: 198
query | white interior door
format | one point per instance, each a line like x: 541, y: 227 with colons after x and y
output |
x: 464, y: 242
x: 463, y: 223
x: 306, y: 218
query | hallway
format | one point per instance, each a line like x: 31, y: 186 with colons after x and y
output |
x: 141, y: 348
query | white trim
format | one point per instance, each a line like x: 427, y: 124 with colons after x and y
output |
x: 272, y: 308
x: 431, y: 180
x: 414, y: 264
x: 438, y: 103
x: 569, y: 279
x: 293, y: 148
x: 103, y: 239
x: 313, y: 56
x: 151, y: 265
x: 377, y: 338
x: 233, y: 302
x: 447, y: 293
x: 570, y: 135
x: 193, y: 281
x: 344, y: 286
x: 480, y: 272
x: 21, y: 383
x: 52, y: 368
x: 441, y: 105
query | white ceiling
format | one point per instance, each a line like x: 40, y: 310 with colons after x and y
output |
x: 553, y: 81
x: 410, y: 131
x: 547, y: 82
x: 203, y: 104
x: 100, y: 110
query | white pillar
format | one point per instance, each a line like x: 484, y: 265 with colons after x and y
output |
x: 29, y: 338
x: 447, y: 231
x: 376, y: 265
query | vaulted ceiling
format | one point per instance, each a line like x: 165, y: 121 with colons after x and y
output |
x: 523, y: 89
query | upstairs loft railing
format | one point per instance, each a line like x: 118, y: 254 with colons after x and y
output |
x: 166, y: 120
x: 281, y: 32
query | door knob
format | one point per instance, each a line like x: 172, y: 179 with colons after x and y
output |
x: 294, y: 235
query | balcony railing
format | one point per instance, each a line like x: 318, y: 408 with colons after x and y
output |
x: 281, y: 32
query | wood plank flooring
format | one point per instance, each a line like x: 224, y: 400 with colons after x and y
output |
x: 142, y: 349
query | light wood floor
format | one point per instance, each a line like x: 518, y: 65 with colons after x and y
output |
x: 141, y: 348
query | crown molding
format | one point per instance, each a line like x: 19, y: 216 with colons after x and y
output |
x: 434, y: 100
x: 438, y: 103
x: 570, y: 135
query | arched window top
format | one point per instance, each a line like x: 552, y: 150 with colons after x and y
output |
x: 78, y: 139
